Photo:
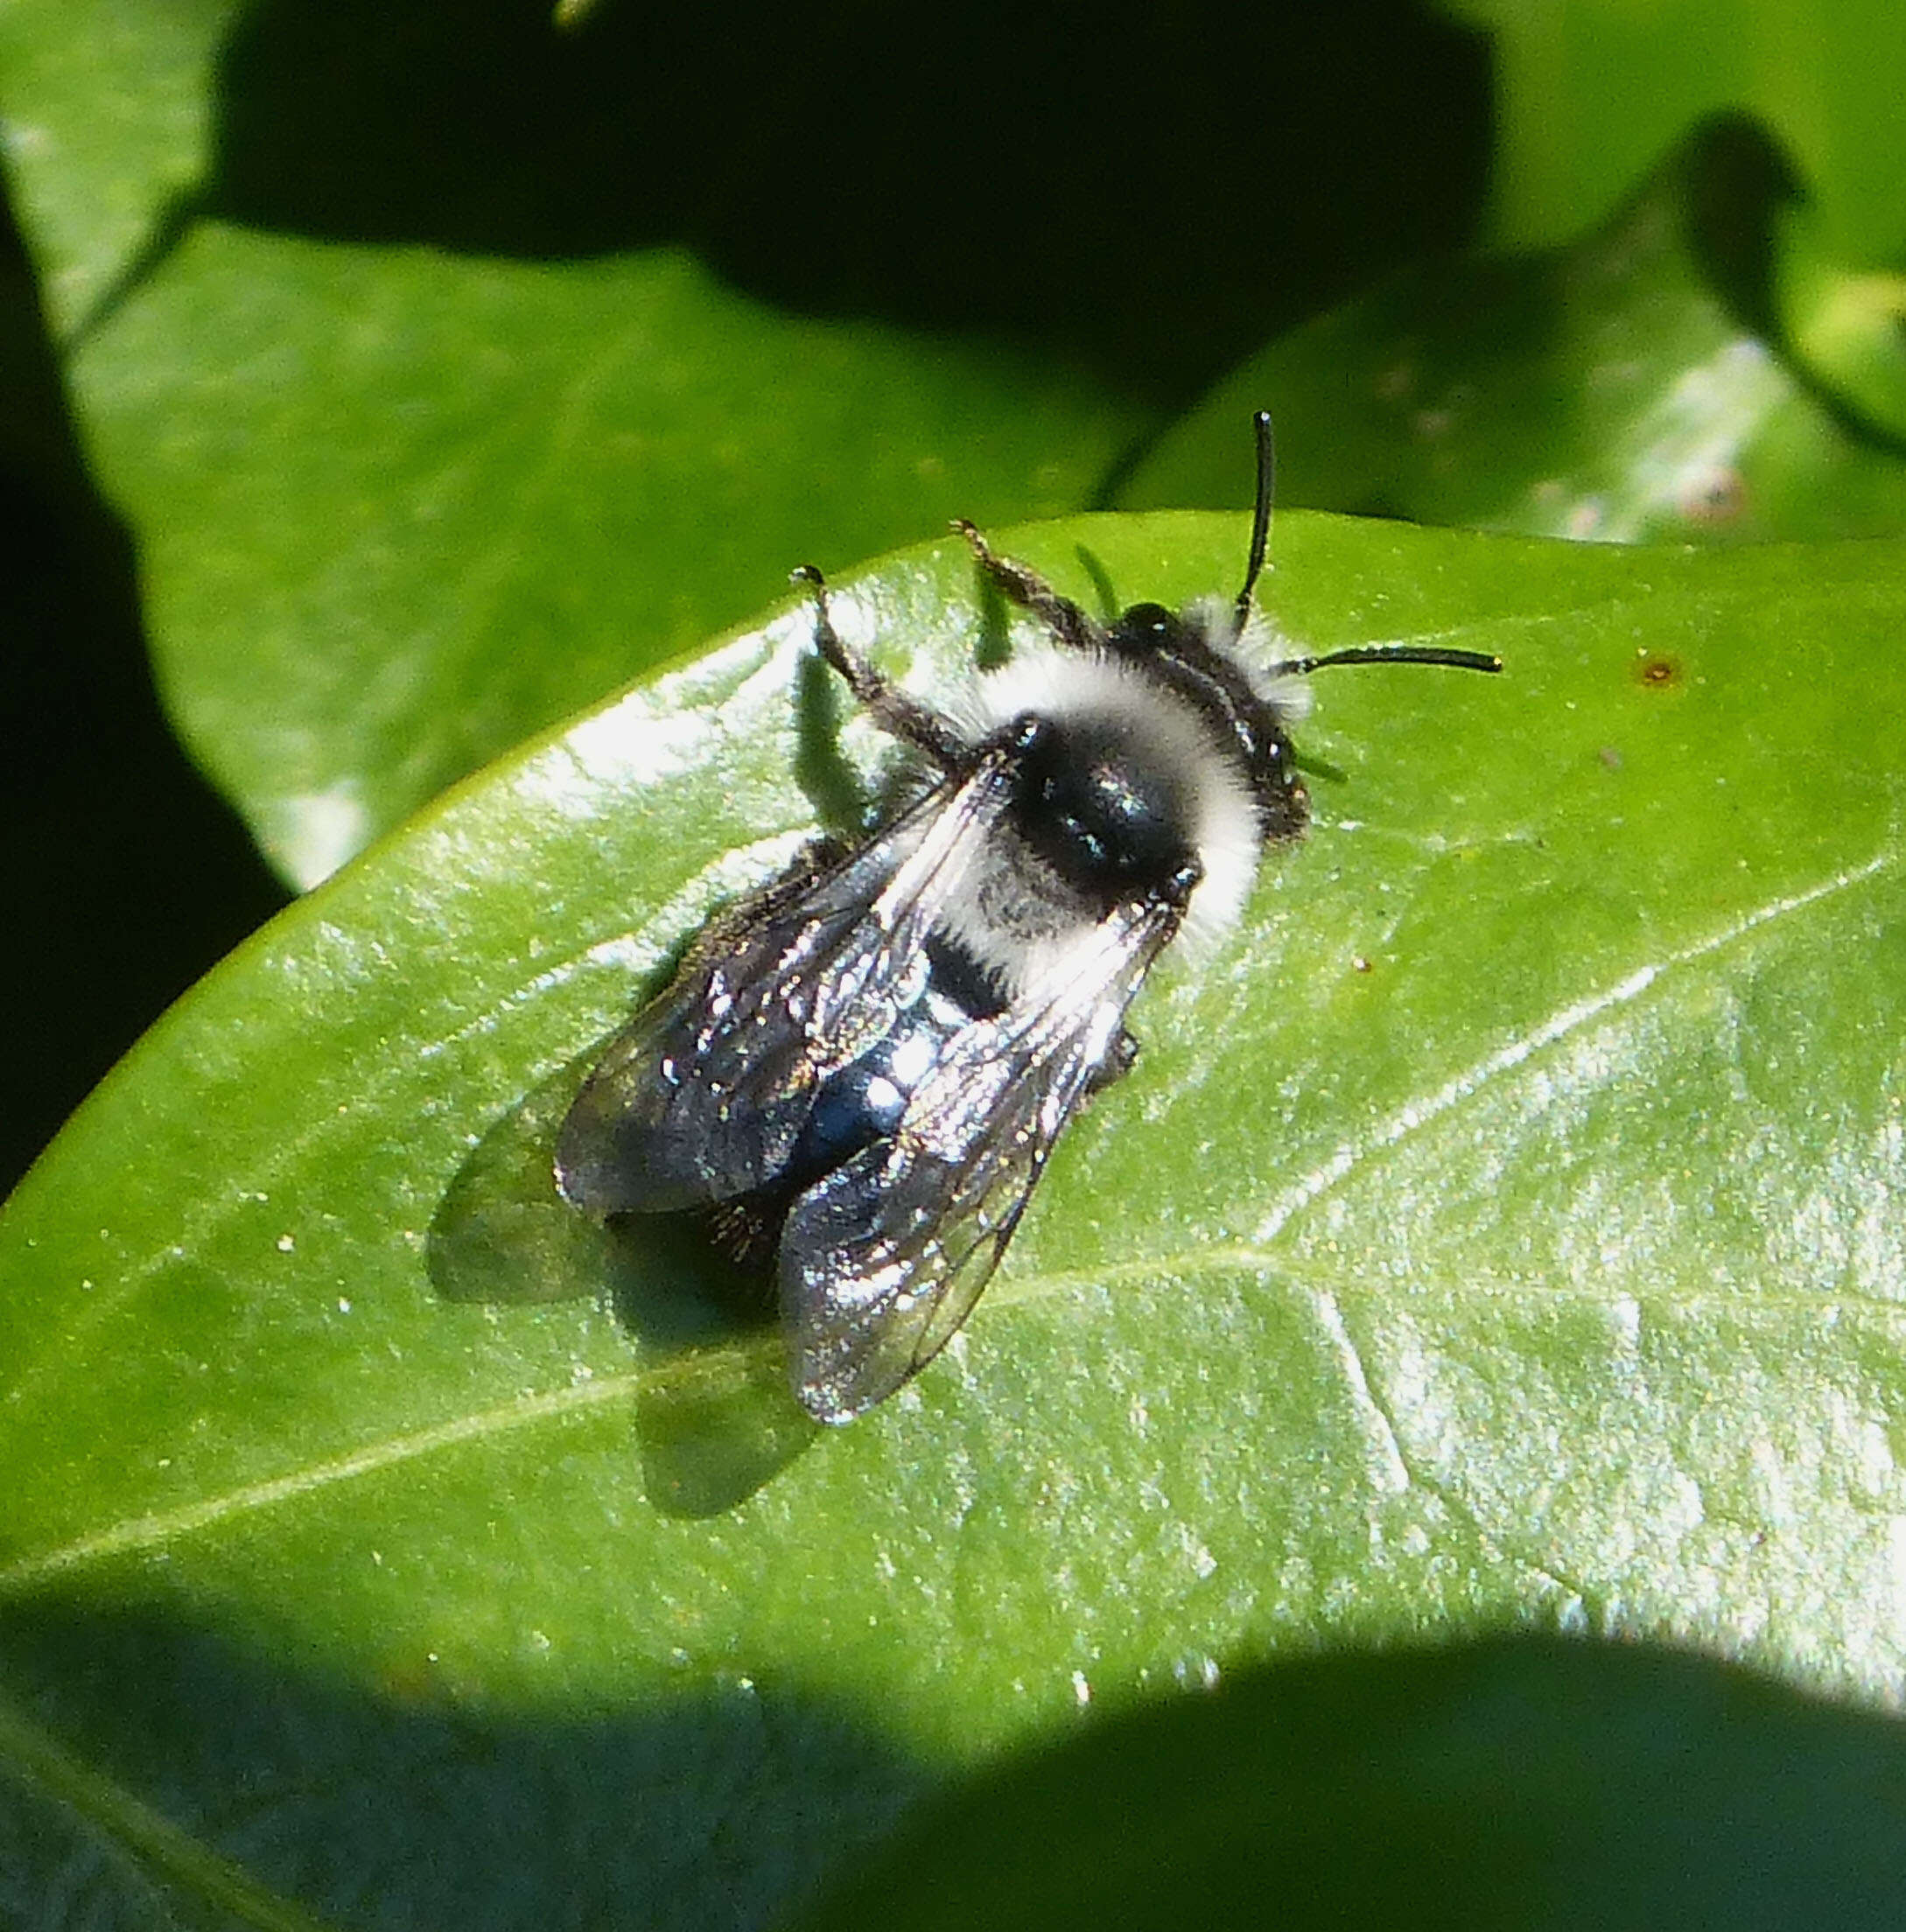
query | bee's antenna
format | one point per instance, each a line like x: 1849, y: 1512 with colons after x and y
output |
x: 1357, y: 654
x: 1260, y: 516
x: 1388, y: 653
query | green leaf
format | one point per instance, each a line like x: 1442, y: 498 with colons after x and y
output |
x: 1845, y: 323
x: 1503, y: 1784
x: 1610, y: 391
x: 109, y: 118
x: 1593, y: 92
x: 403, y: 508
x: 1507, y: 1226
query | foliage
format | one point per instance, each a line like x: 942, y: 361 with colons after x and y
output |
x: 1505, y: 1232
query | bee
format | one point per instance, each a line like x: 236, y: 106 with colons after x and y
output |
x: 860, y: 1071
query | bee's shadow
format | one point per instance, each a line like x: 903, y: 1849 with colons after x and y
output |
x: 714, y: 1418
x: 847, y: 805
x: 834, y: 789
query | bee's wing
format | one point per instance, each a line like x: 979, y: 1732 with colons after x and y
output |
x: 883, y: 1259
x: 703, y: 1096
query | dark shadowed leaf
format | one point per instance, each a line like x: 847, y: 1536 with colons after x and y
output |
x: 1506, y: 1784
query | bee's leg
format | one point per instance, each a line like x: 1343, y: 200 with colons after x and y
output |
x: 890, y: 708
x: 1031, y: 591
x: 1120, y: 1058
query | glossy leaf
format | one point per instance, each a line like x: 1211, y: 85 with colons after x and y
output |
x: 1507, y: 1227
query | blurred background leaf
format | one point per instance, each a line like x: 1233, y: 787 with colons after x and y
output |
x: 1595, y: 94
x: 1626, y: 389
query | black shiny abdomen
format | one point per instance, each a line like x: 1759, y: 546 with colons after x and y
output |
x: 858, y: 1105
x: 863, y: 1101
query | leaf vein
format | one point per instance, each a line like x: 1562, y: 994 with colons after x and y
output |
x: 1414, y: 1114
x: 156, y: 1529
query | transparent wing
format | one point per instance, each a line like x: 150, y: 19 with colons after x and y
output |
x: 882, y: 1261
x: 703, y: 1096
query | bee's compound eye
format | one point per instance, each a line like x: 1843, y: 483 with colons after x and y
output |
x: 1143, y: 627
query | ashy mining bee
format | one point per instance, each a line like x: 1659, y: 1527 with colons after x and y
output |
x: 861, y: 1069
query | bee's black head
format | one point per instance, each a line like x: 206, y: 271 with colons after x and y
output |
x: 1192, y: 654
